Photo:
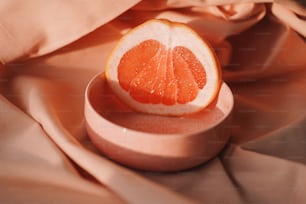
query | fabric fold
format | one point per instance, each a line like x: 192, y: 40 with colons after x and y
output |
x: 34, y: 28
x: 33, y: 169
x: 49, y: 52
x: 280, y: 181
x: 293, y: 20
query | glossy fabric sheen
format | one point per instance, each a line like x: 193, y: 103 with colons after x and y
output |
x: 51, y: 49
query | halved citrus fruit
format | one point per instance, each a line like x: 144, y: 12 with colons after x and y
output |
x: 163, y: 67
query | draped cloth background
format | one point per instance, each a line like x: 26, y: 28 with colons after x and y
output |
x: 49, y: 50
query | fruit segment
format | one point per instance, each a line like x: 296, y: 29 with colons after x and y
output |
x: 151, y: 73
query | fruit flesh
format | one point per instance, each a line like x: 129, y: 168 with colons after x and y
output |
x: 153, y: 73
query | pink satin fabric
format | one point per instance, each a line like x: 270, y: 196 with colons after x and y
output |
x: 50, y: 50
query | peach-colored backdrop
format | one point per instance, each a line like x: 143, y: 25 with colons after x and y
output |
x: 49, y: 50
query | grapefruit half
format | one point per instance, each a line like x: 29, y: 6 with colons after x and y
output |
x: 165, y: 68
